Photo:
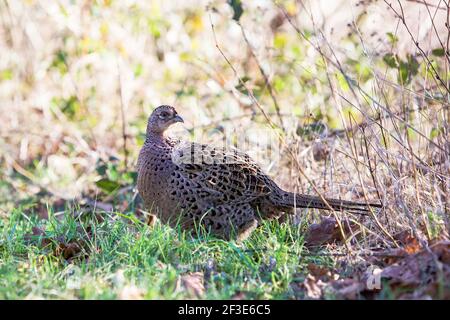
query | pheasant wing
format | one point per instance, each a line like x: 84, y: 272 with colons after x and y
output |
x: 225, y: 175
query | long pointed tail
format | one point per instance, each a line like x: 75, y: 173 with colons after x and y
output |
x: 290, y: 199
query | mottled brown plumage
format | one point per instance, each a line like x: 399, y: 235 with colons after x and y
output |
x: 224, y: 191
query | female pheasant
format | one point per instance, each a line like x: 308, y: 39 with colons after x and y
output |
x: 224, y: 191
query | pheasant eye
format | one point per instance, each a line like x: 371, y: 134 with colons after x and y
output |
x: 163, y: 115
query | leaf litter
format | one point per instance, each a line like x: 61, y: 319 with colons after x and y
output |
x: 410, y: 271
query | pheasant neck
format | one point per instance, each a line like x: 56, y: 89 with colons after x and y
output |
x: 156, y: 137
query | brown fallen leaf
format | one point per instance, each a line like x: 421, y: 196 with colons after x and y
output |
x: 412, y: 247
x: 68, y: 250
x: 348, y: 288
x: 319, y: 272
x: 427, y: 292
x: 151, y: 220
x: 408, y: 242
x: 320, y: 151
x: 42, y: 207
x: 108, y: 207
x: 425, y: 272
x: 60, y: 247
x: 38, y: 234
x: 313, y: 287
x: 386, y: 257
x: 327, y: 231
x: 42, y: 212
x: 321, y: 233
x: 193, y: 283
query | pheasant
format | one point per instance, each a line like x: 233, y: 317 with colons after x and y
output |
x: 224, y: 191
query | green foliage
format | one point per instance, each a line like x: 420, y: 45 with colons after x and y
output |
x: 407, y: 69
x: 138, y: 70
x: 280, y: 40
x: 342, y: 82
x: 241, y: 86
x: 60, y: 61
x: 393, y: 39
x: 391, y: 60
x: 438, y: 52
x: 6, y: 74
x: 107, y: 185
x: 111, y: 177
x: 279, y: 84
x: 435, y: 132
x: 154, y: 27
x: 70, y: 106
x: 236, y: 5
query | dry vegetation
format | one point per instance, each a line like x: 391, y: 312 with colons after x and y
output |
x: 355, y: 96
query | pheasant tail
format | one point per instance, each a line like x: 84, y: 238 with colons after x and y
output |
x: 290, y: 199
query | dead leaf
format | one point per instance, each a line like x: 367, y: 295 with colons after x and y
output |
x: 277, y: 21
x: 412, y: 247
x: 313, y: 287
x: 319, y: 234
x: 410, y: 244
x: 426, y: 272
x: 320, y: 150
x: 38, y: 234
x: 348, y: 288
x: 107, y: 207
x: 327, y: 231
x: 386, y: 257
x: 42, y: 212
x: 42, y: 207
x: 124, y: 206
x: 319, y: 272
x: 151, y: 220
x: 68, y: 251
x: 193, y: 283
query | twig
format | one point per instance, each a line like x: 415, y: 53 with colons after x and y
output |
x: 352, y: 85
x: 427, y: 4
x: 250, y: 92
x: 266, y: 78
x: 122, y: 116
x: 401, y: 16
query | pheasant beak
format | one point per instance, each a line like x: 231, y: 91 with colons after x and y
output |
x: 177, y: 118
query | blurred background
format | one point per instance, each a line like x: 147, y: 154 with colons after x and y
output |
x: 355, y: 92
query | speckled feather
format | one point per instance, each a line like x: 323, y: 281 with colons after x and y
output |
x: 223, y: 190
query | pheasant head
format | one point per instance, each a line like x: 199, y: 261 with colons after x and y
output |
x: 161, y: 119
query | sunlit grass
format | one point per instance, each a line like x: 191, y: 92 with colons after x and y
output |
x: 120, y: 253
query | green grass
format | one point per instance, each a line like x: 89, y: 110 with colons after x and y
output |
x: 121, y: 252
